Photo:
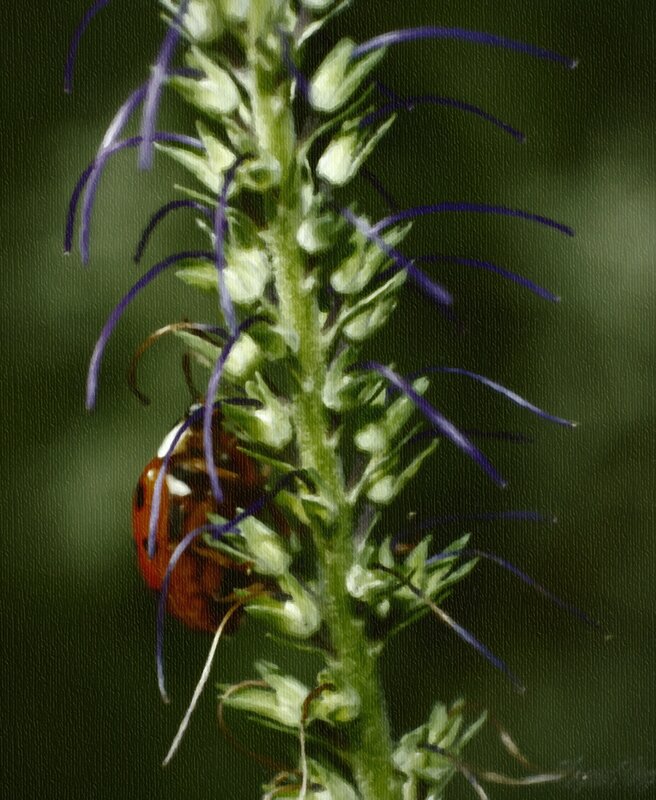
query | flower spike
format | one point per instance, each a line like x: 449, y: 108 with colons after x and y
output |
x: 117, y: 313
x: 444, y: 426
x: 430, y: 288
x: 469, y: 208
x: 158, y: 77
x: 463, y: 35
x: 159, y: 215
x: 497, y: 387
x: 75, y: 42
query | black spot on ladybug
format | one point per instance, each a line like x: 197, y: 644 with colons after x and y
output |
x: 140, y: 496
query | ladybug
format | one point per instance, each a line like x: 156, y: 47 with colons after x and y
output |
x: 204, y: 579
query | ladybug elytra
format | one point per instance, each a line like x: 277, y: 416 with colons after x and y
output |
x: 203, y: 579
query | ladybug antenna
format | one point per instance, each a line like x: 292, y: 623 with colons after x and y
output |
x: 201, y: 330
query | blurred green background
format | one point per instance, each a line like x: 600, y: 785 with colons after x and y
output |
x: 81, y: 714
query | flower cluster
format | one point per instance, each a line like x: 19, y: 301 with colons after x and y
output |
x: 303, y: 280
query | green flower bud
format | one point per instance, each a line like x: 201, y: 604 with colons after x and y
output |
x: 269, y: 425
x: 282, y: 703
x: 244, y: 358
x: 235, y: 10
x: 367, y: 259
x: 345, y: 154
x: 215, y: 93
x: 338, y: 77
x: 297, y: 616
x: 377, y: 437
x: 265, y: 548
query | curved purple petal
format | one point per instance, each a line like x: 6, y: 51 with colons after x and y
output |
x: 417, y: 276
x: 478, y: 263
x: 72, y: 207
x: 158, y: 76
x: 469, y: 208
x: 497, y: 387
x: 75, y: 42
x: 463, y: 633
x: 160, y: 214
x: 434, y: 417
x: 473, y: 552
x: 220, y: 233
x: 410, y: 103
x: 463, y: 35
x: 117, y: 313
x: 91, y: 179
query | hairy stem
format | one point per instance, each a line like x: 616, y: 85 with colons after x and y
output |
x: 354, y: 656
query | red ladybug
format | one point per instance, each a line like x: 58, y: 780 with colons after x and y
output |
x: 203, y: 580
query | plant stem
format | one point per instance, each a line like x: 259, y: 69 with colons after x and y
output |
x: 353, y: 658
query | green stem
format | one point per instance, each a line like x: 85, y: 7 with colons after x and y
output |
x: 353, y: 656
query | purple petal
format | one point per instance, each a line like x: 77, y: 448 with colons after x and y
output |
x: 417, y: 276
x: 472, y: 552
x: 469, y: 208
x: 502, y: 436
x: 302, y: 83
x: 72, y: 207
x: 444, y: 426
x: 410, y: 103
x: 220, y: 233
x: 497, y: 387
x: 463, y: 633
x: 117, y: 313
x: 160, y: 214
x: 122, y: 117
x: 159, y: 74
x: 478, y: 263
x: 75, y: 42
x: 91, y: 178
x: 463, y: 35
x: 125, y: 112
x: 161, y: 606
